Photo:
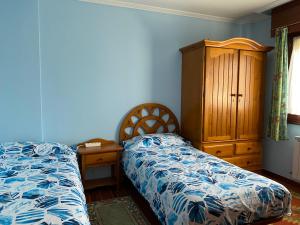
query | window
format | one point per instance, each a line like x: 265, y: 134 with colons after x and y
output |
x: 294, y: 84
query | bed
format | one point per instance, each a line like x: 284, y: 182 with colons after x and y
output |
x: 186, y: 186
x: 40, y: 184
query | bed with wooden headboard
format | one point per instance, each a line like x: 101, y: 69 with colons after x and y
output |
x: 148, y: 118
x: 185, y: 186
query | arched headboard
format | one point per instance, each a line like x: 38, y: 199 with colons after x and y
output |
x: 148, y: 118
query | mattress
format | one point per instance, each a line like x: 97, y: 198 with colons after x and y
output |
x: 186, y: 186
x: 40, y: 184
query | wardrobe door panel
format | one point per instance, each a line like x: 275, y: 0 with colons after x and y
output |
x: 221, y: 75
x: 250, y: 92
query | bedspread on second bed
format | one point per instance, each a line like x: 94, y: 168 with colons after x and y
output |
x: 186, y: 186
x: 40, y: 184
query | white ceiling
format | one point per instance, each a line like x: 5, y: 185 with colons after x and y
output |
x: 229, y: 9
x: 222, y: 8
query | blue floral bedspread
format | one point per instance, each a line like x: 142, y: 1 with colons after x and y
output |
x: 186, y: 186
x: 40, y: 184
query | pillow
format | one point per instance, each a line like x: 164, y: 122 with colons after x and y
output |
x: 154, y: 140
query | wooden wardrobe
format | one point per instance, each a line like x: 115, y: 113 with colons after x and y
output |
x: 222, y: 97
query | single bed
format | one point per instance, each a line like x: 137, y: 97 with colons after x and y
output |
x: 40, y: 184
x: 186, y: 186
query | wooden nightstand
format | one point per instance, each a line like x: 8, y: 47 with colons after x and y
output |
x: 106, y: 155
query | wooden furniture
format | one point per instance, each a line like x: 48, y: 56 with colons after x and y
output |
x: 222, y: 99
x: 106, y: 155
x: 148, y: 118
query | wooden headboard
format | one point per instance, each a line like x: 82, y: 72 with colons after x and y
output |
x: 148, y: 118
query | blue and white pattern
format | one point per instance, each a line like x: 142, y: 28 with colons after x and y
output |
x: 155, y: 140
x: 40, y: 184
x: 186, y: 186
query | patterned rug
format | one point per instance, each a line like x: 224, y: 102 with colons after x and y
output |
x: 116, y: 211
x: 295, y: 218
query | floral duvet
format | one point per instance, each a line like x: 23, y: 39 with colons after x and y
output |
x: 40, y: 184
x: 186, y: 186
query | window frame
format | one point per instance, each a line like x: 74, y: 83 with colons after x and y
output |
x: 292, y: 118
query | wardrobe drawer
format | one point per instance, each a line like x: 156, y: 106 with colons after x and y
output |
x: 225, y: 150
x: 100, y: 158
x: 247, y: 148
x: 245, y: 161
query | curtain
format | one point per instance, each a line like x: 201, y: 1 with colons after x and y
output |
x: 277, y: 128
x: 294, y: 76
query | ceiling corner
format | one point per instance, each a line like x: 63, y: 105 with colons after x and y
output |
x: 271, y: 5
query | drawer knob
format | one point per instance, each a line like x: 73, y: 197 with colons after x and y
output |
x: 99, y: 159
x: 249, y: 148
x: 218, y: 152
x: 248, y: 162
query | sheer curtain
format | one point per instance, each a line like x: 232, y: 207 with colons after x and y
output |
x: 294, y: 79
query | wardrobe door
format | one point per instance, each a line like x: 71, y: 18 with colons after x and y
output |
x: 250, y: 92
x: 220, y: 94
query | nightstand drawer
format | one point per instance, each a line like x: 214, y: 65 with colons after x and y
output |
x: 96, y: 159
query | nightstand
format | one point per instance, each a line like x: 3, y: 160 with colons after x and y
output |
x: 106, y: 155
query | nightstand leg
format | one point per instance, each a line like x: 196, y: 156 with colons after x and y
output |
x: 83, y: 171
x: 117, y: 172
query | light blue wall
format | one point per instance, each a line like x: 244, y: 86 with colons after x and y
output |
x: 100, y: 61
x: 277, y: 155
x: 20, y: 112
x: 97, y: 62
